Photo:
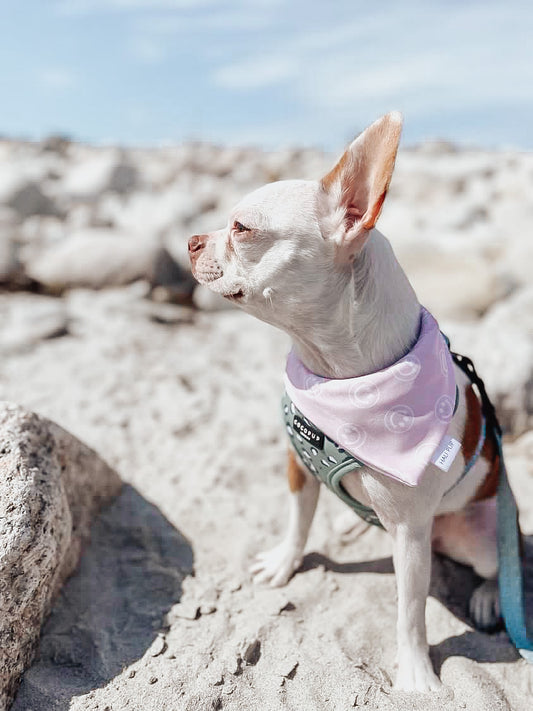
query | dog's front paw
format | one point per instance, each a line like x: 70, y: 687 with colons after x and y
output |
x: 276, y: 566
x: 416, y: 674
x: 485, y: 606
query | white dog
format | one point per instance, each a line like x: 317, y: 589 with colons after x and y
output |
x: 305, y: 256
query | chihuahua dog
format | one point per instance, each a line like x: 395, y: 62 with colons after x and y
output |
x: 305, y: 256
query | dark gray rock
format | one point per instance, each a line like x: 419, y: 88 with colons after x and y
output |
x: 169, y: 280
x: 123, y: 178
x: 29, y: 199
x: 56, y: 143
x: 9, y: 263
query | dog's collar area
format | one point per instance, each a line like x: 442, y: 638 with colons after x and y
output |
x: 329, y: 462
x: 393, y: 419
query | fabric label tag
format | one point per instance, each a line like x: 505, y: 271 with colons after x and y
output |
x: 309, y: 433
x: 446, y: 453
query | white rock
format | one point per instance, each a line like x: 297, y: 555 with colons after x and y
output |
x: 90, y: 176
x: 451, y: 286
x: 18, y: 168
x: 93, y: 258
x: 26, y: 319
x: 517, y: 259
x: 42, y: 229
x: 149, y: 213
x: 103, y: 170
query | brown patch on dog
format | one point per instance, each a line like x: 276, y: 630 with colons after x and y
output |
x: 295, y: 474
x: 472, y: 424
x: 489, y: 486
x: 489, y: 451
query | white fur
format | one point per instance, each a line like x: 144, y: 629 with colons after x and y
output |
x: 348, y: 318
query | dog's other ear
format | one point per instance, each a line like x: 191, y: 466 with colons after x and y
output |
x: 356, y: 187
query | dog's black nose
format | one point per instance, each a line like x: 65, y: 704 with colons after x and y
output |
x: 197, y: 242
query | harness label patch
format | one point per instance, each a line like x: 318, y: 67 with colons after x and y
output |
x: 307, y: 432
x: 446, y: 453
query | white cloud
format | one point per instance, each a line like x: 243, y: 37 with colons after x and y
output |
x: 338, y: 64
x: 256, y: 73
x: 57, y: 78
x: 422, y: 59
x: 230, y: 20
x: 341, y: 85
x: 147, y: 50
x: 86, y: 7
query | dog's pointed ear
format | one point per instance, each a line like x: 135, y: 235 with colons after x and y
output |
x: 356, y: 187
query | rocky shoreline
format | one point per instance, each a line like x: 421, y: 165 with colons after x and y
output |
x: 103, y: 331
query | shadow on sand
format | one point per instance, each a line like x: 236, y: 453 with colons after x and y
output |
x: 452, y: 585
x: 109, y: 611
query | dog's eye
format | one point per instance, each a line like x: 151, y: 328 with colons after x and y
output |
x: 239, y: 227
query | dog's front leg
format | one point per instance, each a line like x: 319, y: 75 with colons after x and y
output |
x: 277, y: 565
x: 412, y: 565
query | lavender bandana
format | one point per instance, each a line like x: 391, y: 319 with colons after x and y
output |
x: 393, y: 420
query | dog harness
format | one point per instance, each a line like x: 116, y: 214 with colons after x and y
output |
x: 394, y: 420
x: 330, y: 462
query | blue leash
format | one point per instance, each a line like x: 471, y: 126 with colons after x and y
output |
x: 510, y: 577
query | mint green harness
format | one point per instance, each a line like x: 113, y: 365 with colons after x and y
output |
x: 329, y: 462
x: 323, y: 458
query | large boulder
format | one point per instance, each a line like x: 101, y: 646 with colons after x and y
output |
x: 50, y: 486
x: 450, y: 287
x: 98, y: 257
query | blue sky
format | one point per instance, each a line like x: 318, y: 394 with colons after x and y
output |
x: 266, y: 72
